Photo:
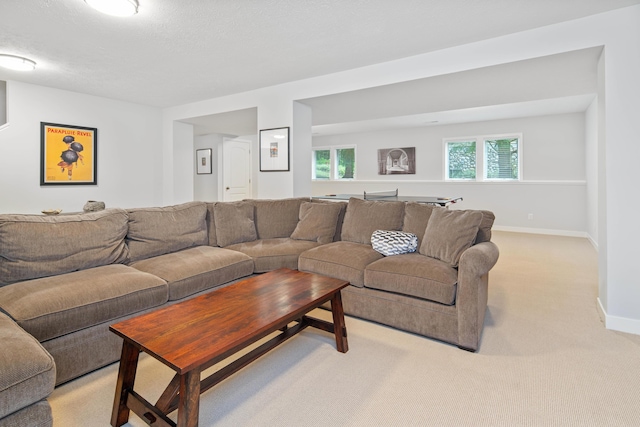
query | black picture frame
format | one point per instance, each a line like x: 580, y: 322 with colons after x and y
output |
x: 274, y: 150
x: 68, y: 154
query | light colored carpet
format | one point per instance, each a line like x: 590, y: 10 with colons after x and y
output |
x: 545, y: 360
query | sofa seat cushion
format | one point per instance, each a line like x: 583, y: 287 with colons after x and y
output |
x: 342, y: 260
x: 271, y: 254
x: 53, y: 306
x: 413, y: 275
x: 196, y: 269
x: 27, y: 371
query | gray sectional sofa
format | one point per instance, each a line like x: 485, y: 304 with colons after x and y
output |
x: 65, y: 279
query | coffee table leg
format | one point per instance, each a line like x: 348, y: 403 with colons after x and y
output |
x: 339, y: 327
x: 189, y: 404
x: 126, y: 377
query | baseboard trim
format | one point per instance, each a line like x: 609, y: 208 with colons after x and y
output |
x: 567, y: 233
x: 620, y: 324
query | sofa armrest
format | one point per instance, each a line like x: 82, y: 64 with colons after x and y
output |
x: 472, y: 295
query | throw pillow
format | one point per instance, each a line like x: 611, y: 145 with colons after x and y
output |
x: 393, y: 242
x: 363, y: 217
x: 416, y: 218
x: 317, y: 222
x: 450, y: 233
x: 234, y: 223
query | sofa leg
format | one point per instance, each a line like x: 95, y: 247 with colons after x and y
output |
x: 466, y: 349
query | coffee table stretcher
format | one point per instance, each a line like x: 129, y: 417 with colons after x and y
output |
x: 183, y: 392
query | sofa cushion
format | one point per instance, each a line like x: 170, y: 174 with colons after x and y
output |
x: 343, y: 211
x: 157, y: 231
x: 271, y: 254
x: 36, y: 415
x: 416, y: 218
x: 413, y: 275
x: 53, y: 306
x: 484, y: 231
x: 234, y: 222
x: 38, y: 246
x: 27, y: 371
x: 363, y: 217
x: 195, y: 269
x: 211, y: 225
x: 317, y: 222
x: 450, y: 233
x: 342, y: 260
x: 276, y: 218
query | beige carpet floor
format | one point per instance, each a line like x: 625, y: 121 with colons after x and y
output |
x: 545, y: 360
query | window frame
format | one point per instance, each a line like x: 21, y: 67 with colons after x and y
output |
x: 333, y: 161
x: 481, y: 157
x: 446, y: 142
x: 485, y: 169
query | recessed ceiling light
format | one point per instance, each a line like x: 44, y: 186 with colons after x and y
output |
x: 115, y: 7
x: 16, y: 62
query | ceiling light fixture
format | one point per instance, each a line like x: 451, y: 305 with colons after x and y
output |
x: 16, y: 62
x: 115, y: 7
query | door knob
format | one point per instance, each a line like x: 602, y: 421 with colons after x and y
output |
x: 227, y: 188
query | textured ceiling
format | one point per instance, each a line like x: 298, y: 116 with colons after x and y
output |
x: 174, y: 52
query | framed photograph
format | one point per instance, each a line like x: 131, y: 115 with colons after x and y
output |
x: 393, y: 161
x: 68, y: 155
x: 203, y: 161
x: 274, y: 150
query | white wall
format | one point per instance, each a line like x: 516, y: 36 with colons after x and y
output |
x: 553, y: 188
x: 129, y: 156
x: 205, y: 186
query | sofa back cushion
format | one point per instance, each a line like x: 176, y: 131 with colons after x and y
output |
x: 484, y: 231
x: 449, y: 233
x: 416, y: 218
x: 234, y: 223
x: 33, y: 246
x: 157, y: 231
x: 276, y: 218
x: 317, y: 222
x: 363, y: 217
x: 343, y: 211
x: 211, y: 225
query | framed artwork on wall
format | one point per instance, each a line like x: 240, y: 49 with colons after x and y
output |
x: 274, y: 150
x: 203, y: 161
x: 393, y: 161
x: 68, y: 154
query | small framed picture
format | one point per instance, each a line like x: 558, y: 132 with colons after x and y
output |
x: 68, y: 154
x: 274, y: 150
x: 203, y: 161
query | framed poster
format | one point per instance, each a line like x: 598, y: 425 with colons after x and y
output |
x: 68, y: 155
x: 274, y: 150
x: 393, y: 161
x: 203, y: 161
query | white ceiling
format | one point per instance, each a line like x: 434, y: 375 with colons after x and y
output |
x: 174, y: 52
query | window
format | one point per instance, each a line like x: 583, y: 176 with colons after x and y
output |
x: 334, y: 163
x: 461, y: 160
x: 501, y: 158
x: 321, y: 164
x: 484, y: 158
x: 346, y: 163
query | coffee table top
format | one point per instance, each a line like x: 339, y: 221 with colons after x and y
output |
x: 208, y: 328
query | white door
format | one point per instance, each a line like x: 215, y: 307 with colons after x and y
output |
x: 236, y: 170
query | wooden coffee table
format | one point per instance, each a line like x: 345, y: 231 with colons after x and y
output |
x: 194, y: 335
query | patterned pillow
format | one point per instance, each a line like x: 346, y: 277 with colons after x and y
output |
x: 394, y: 242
